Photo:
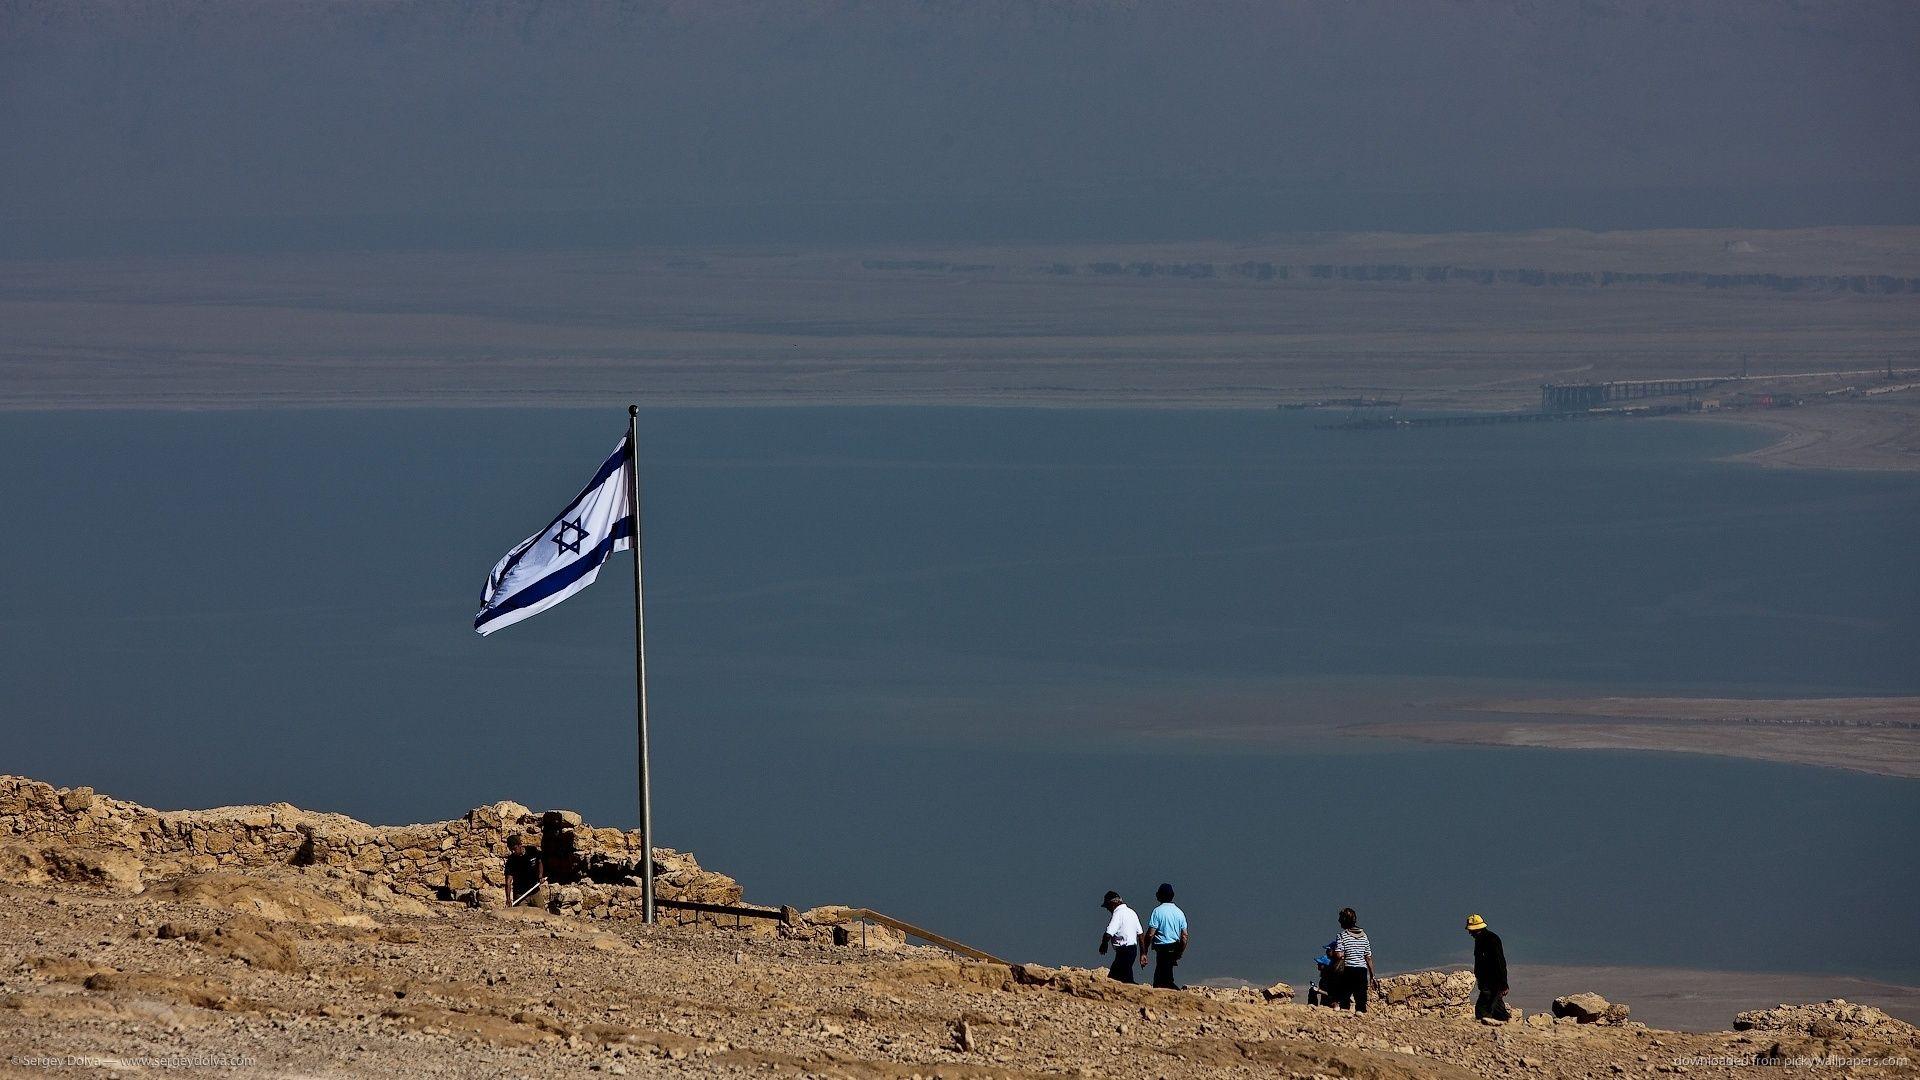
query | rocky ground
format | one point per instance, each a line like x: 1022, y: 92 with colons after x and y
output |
x: 294, y: 970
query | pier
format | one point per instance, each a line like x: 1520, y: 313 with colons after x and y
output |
x: 1360, y: 423
x: 1578, y: 397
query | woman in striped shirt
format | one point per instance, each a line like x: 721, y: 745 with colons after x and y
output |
x: 1352, y: 955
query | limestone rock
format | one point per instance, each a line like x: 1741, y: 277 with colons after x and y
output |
x: 81, y: 836
x: 1835, y: 1016
x: 1427, y: 991
x: 249, y: 940
x: 198, y: 991
x: 103, y: 867
x: 22, y: 864
x: 1033, y: 974
x: 271, y: 900
x: 870, y: 935
x: 1586, y: 1008
x: 503, y: 814
x: 1281, y: 992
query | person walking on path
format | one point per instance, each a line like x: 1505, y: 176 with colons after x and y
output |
x: 1123, y: 933
x: 1489, y: 971
x: 1352, y: 956
x: 1167, y: 936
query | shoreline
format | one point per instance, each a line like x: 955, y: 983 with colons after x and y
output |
x: 1875, y: 736
x: 1691, y: 999
x: 1457, y: 322
x: 1880, y: 437
x: 1873, y: 437
x: 1700, y: 999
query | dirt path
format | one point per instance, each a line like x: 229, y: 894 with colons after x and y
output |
x: 88, y: 979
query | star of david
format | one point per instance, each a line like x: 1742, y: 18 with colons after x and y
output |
x: 560, y: 540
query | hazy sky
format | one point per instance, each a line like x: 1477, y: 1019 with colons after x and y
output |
x: 270, y: 121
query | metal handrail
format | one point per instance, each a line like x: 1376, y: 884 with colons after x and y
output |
x: 922, y: 933
x: 787, y: 915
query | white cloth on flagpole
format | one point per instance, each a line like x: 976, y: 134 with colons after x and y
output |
x: 566, y: 556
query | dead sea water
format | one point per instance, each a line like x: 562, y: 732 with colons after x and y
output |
x: 972, y: 666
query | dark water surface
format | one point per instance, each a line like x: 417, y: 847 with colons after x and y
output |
x: 912, y: 658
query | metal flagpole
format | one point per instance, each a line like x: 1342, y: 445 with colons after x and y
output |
x: 640, y: 671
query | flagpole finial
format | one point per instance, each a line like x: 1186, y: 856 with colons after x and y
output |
x: 633, y: 410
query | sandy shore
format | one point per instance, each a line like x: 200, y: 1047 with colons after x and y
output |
x: 1880, y: 434
x: 1869, y: 735
x: 1688, y: 999
x: 1450, y: 322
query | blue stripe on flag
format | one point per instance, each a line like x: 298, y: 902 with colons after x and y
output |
x: 565, y: 576
x: 607, y: 469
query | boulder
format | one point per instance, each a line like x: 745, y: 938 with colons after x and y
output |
x: 462, y: 880
x: 1427, y: 991
x: 22, y: 864
x: 1033, y: 974
x: 247, y: 939
x: 80, y: 836
x: 270, y: 900
x: 1586, y: 1008
x: 505, y: 814
x: 106, y: 868
x: 199, y: 991
x: 1824, y: 1020
x: 875, y: 937
x: 1279, y: 991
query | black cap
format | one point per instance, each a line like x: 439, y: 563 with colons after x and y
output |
x: 1164, y: 892
x: 1112, y: 898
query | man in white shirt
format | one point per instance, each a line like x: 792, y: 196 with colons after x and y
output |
x: 1123, y: 933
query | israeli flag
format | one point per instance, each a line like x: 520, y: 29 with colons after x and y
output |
x: 566, y: 556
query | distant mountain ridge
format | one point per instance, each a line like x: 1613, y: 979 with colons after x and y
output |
x: 814, y: 119
x: 1435, y: 274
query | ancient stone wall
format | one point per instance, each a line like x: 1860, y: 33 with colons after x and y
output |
x: 462, y: 858
x: 1426, y: 991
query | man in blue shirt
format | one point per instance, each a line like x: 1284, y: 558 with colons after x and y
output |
x: 1166, y: 937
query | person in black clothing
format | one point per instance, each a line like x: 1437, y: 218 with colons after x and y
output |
x: 1321, y: 992
x: 1490, y: 971
x: 523, y: 869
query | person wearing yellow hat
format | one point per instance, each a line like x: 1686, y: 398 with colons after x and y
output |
x: 1490, y: 972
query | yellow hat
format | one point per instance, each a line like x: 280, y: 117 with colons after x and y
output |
x: 1475, y: 922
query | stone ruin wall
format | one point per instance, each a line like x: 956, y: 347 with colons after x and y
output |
x: 1426, y: 991
x: 594, y: 870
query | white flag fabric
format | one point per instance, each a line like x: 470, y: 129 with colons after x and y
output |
x: 566, y: 556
